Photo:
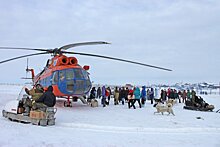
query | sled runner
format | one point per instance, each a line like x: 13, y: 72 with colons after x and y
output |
x: 15, y: 111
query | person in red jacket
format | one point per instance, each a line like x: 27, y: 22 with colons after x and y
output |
x: 131, y: 99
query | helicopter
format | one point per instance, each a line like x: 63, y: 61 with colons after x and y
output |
x: 69, y: 79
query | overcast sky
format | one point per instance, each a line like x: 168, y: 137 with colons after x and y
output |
x: 182, y: 35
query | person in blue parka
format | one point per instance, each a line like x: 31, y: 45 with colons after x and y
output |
x: 143, y: 95
x: 137, y: 95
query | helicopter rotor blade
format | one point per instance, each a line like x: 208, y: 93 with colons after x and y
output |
x: 22, y: 57
x: 21, y: 48
x: 82, y: 44
x: 118, y: 59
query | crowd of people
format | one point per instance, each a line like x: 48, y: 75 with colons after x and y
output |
x: 140, y: 95
x: 120, y: 95
x: 181, y: 96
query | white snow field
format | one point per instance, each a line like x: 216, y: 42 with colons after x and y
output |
x: 113, y: 126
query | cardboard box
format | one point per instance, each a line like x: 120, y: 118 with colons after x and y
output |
x: 37, y: 114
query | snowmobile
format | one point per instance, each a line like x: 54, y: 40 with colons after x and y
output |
x: 20, y: 111
x: 199, y: 105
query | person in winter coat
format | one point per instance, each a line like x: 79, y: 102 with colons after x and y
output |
x: 193, y: 96
x: 189, y: 95
x: 103, y: 96
x: 179, y: 95
x: 151, y: 95
x: 168, y: 93
x: 109, y: 93
x: 116, y: 96
x: 184, y: 96
x: 122, y: 94
x: 36, y: 92
x: 137, y: 95
x: 131, y: 99
x: 172, y: 94
x: 126, y: 94
x: 48, y: 99
x: 175, y: 95
x: 143, y: 95
x: 99, y: 92
x: 164, y: 95
x: 92, y: 94
x: 148, y: 94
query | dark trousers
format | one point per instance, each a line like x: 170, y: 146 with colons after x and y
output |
x: 151, y: 100
x: 109, y: 98
x: 139, y: 102
x: 103, y: 101
x: 131, y: 103
x: 143, y: 101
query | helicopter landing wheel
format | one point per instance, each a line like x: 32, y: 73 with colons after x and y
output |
x: 67, y: 104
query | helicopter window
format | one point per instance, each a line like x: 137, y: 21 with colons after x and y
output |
x: 55, y: 78
x: 80, y: 88
x: 85, y: 74
x: 78, y: 73
x: 62, y: 75
x: 88, y: 86
x: 70, y: 86
x: 69, y: 74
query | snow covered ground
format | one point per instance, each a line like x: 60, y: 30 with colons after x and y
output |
x: 113, y: 126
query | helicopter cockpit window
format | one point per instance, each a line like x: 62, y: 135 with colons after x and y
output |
x: 78, y: 73
x: 61, y: 75
x: 55, y: 78
x: 69, y: 74
x: 85, y: 73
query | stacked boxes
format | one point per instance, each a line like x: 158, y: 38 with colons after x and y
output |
x: 37, y: 114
